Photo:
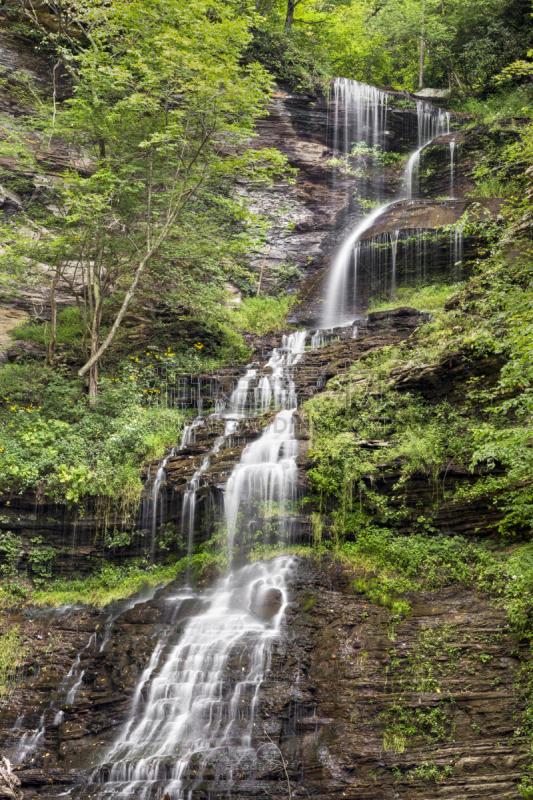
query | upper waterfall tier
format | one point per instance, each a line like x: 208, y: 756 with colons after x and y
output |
x: 359, y: 116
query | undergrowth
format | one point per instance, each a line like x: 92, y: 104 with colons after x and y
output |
x: 12, y: 655
x: 262, y: 314
x: 507, y: 103
x: 56, y: 443
x: 108, y: 584
x: 423, y: 298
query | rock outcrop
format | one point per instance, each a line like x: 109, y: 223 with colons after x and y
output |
x: 347, y: 701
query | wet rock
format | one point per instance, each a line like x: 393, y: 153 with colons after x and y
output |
x: 266, y: 602
x: 337, y: 669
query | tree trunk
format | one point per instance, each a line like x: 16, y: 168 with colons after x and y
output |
x: 53, y: 323
x: 95, y: 344
x: 289, y: 19
x: 93, y: 383
x: 421, y: 70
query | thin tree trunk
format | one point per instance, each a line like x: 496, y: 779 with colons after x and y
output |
x: 53, y: 323
x: 456, y: 76
x: 422, y: 54
x: 93, y: 383
x: 289, y: 19
x: 95, y: 344
x: 95, y: 356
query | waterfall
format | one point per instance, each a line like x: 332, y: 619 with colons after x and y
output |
x: 29, y: 742
x: 359, y: 114
x: 457, y: 251
x: 193, y: 716
x: 394, y: 247
x: 195, y: 706
x: 452, y: 154
x: 357, y: 118
x: 267, y: 472
x: 431, y: 123
x: 402, y: 257
x: 196, y: 710
x: 158, y: 480
x: 335, y: 311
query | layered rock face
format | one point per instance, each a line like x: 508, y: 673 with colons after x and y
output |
x: 309, y: 217
x: 357, y: 702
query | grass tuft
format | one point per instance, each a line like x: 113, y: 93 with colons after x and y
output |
x: 12, y: 655
x: 492, y: 187
x: 423, y: 298
x: 262, y: 315
x: 110, y: 584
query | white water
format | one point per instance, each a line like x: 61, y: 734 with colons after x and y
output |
x: 29, y: 742
x: 452, y: 175
x: 197, y: 708
x: 264, y: 481
x: 431, y: 123
x: 394, y: 248
x: 360, y: 114
x: 335, y: 306
x: 196, y: 705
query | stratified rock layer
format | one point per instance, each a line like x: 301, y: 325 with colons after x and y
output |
x: 343, y: 671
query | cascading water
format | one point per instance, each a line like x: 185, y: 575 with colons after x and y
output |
x: 452, y: 174
x: 197, y: 713
x: 336, y: 307
x: 394, y: 249
x: 193, y: 714
x: 340, y: 304
x: 457, y: 251
x: 431, y: 123
x: 359, y: 114
x: 409, y: 257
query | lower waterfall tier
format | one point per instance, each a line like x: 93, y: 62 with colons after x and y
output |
x: 334, y: 672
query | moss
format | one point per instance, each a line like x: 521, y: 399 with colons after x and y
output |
x: 12, y: 655
x: 423, y: 298
x: 109, y: 584
x: 307, y: 602
x: 262, y: 315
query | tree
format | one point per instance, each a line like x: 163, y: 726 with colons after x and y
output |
x: 161, y: 112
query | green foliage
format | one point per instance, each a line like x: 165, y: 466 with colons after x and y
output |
x: 500, y: 105
x: 374, y: 154
x: 373, y: 589
x: 429, y: 771
x: 41, y: 560
x: 107, y: 584
x: 62, y: 445
x: 291, y: 58
x: 423, y: 725
x: 11, y: 548
x: 262, y: 314
x: 153, y: 201
x: 70, y: 329
x: 12, y: 656
x: 467, y: 46
x: 423, y: 298
x: 23, y: 383
x: 422, y: 561
x: 494, y: 187
x: 415, y: 437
